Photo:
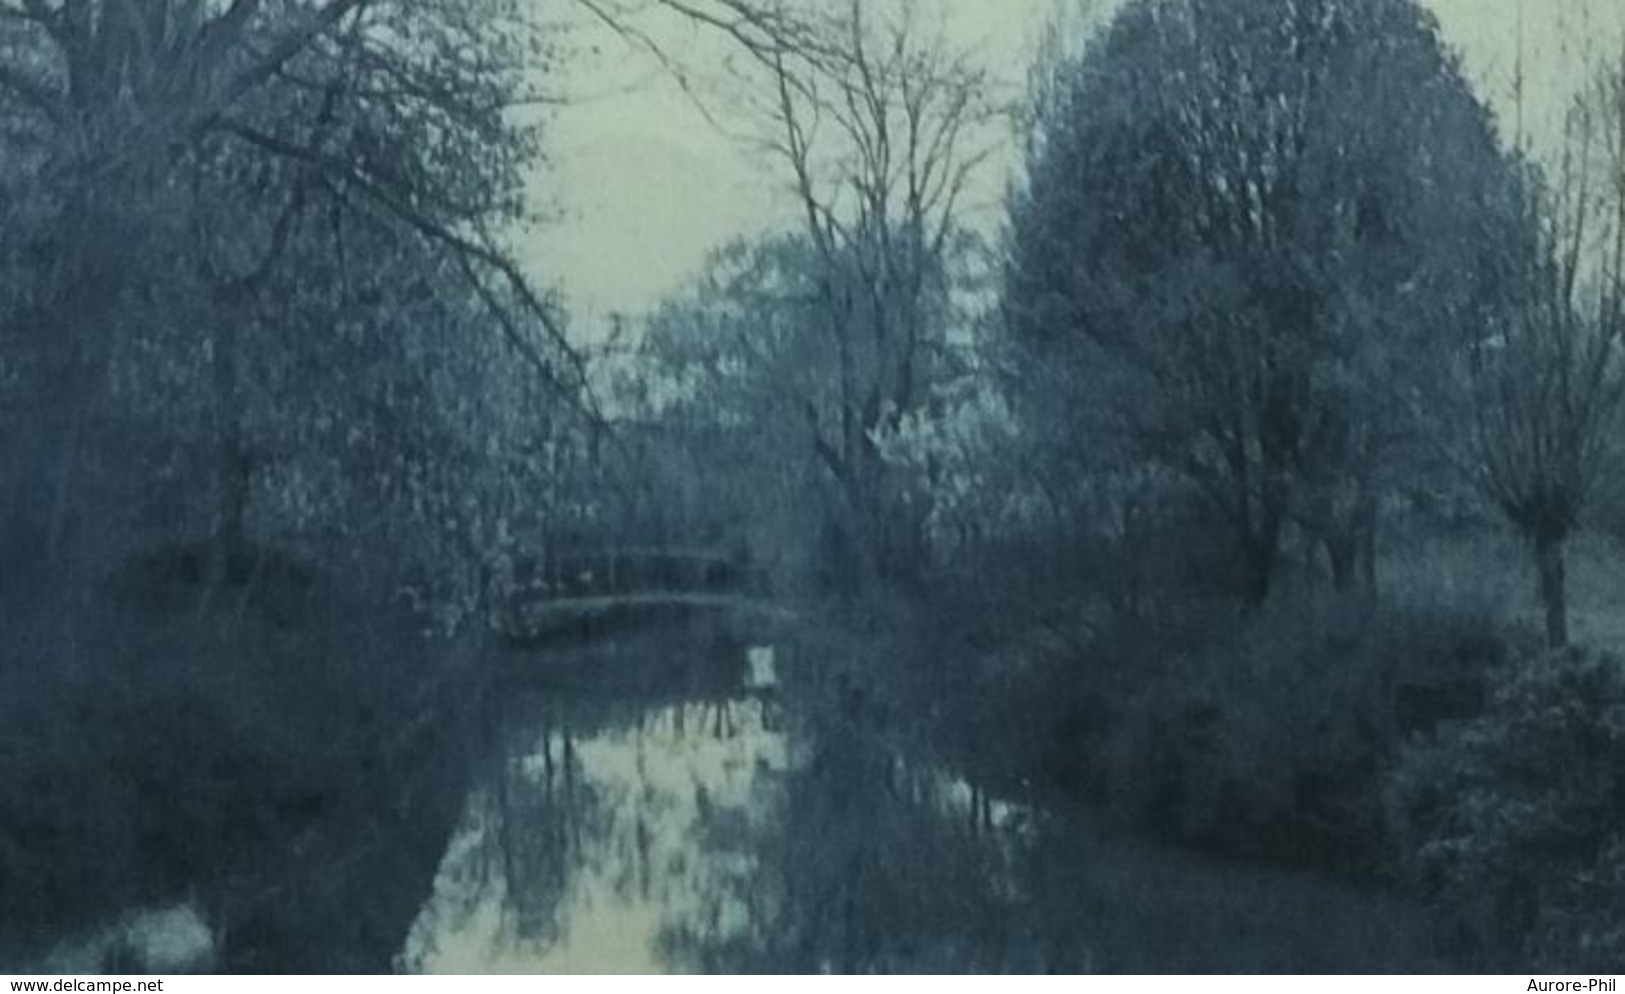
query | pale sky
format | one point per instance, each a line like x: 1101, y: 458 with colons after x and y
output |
x: 646, y: 186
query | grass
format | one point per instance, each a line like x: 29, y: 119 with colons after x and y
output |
x: 1496, y: 569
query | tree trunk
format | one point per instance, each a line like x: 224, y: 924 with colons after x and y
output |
x: 1259, y: 563
x: 1367, y: 524
x: 233, y: 511
x: 1260, y: 549
x: 1342, y: 552
x: 1553, y: 592
x: 231, y: 467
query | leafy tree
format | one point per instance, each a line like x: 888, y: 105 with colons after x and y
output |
x: 1231, y: 214
x: 731, y: 371
x: 230, y: 196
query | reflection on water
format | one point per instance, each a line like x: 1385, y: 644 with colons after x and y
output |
x: 582, y: 849
x: 641, y: 812
x: 613, y: 834
x: 857, y: 861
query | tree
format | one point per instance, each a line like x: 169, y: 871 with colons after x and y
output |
x: 882, y: 128
x: 1230, y: 215
x: 229, y: 194
x: 1544, y: 371
x: 726, y: 374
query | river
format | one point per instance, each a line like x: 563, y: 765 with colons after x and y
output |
x: 640, y: 809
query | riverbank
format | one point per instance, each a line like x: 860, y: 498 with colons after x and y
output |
x: 718, y: 832
x: 1422, y: 750
x: 985, y: 865
x: 905, y: 802
x: 1206, y: 789
x: 287, y: 773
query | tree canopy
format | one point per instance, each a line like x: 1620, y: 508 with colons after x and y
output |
x: 1234, y: 217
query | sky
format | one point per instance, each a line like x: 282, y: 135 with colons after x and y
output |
x: 642, y: 184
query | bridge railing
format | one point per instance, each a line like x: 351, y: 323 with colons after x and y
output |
x: 631, y: 572
x: 546, y: 592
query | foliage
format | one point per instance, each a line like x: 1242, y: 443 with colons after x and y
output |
x: 722, y: 407
x: 739, y: 381
x: 263, y: 239
x: 268, y: 372
x: 1259, y: 736
x: 1511, y: 823
x: 161, y: 773
x: 1232, y: 215
x: 1268, y: 743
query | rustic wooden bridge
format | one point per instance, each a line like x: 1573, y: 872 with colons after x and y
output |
x: 587, y: 596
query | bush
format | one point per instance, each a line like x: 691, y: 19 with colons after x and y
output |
x: 1267, y: 738
x: 1512, y: 823
x: 195, y: 745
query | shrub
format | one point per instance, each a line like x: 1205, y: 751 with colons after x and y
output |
x: 194, y: 743
x: 1511, y: 823
x: 1268, y: 740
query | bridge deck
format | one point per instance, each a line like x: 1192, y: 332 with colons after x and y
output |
x: 547, y: 621
x: 580, y: 606
x: 590, y: 594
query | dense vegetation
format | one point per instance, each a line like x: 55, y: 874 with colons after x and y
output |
x: 1187, y: 495
x: 272, y: 393
x: 1204, y: 493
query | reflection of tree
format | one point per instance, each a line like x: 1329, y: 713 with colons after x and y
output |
x: 647, y: 840
x: 850, y: 862
x: 547, y: 809
x: 521, y: 837
x: 587, y: 808
x: 730, y: 845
